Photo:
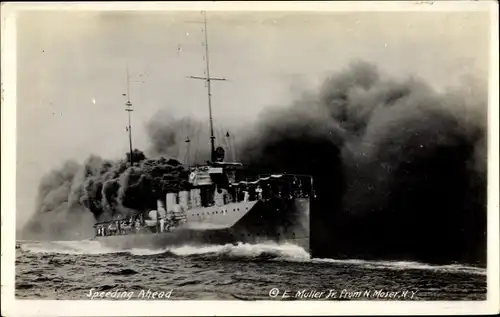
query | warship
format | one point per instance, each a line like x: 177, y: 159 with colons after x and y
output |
x: 224, y: 205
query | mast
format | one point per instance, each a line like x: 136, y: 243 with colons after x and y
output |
x: 212, y: 137
x: 129, y: 109
x: 208, y: 80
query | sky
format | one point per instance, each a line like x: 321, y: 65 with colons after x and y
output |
x: 71, y: 70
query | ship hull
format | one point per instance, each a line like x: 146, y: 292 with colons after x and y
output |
x: 277, y: 221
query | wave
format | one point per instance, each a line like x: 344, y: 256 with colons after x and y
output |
x: 244, y: 250
x: 87, y: 247
x: 263, y: 251
x: 407, y: 265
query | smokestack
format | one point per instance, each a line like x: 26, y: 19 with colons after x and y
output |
x: 160, y: 205
x: 171, y: 201
x: 184, y: 200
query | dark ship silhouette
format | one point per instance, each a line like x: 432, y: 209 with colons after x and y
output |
x: 224, y: 205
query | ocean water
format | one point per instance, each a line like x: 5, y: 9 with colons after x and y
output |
x: 87, y: 270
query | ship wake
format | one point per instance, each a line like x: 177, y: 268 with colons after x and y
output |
x: 237, y: 252
x: 241, y: 250
x: 407, y: 265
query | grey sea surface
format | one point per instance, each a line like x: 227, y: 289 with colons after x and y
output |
x: 86, y: 270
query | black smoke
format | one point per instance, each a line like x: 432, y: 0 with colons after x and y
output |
x: 400, y: 169
x: 186, y: 139
x: 73, y: 197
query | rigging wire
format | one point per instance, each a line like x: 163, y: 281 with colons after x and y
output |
x: 188, y: 145
x: 235, y: 149
x: 230, y: 146
x: 197, y: 144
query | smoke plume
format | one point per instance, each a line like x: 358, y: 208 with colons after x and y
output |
x: 73, y: 197
x: 185, y: 138
x: 399, y: 168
